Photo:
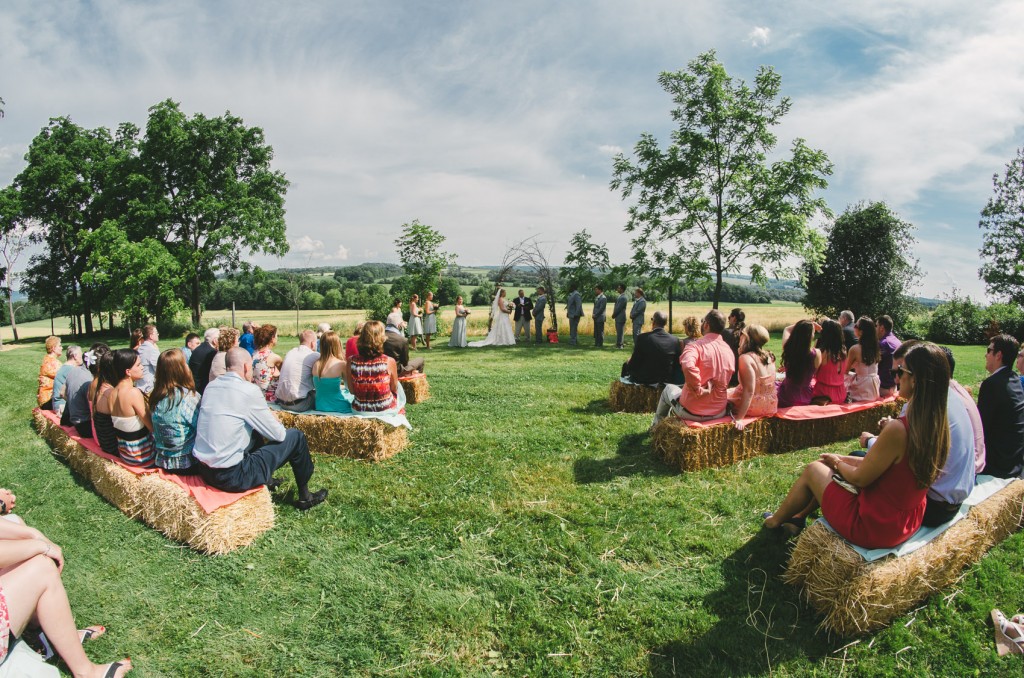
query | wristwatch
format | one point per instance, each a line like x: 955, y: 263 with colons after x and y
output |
x: 3, y: 507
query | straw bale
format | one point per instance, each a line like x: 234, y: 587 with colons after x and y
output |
x: 792, y: 435
x: 856, y: 597
x: 416, y: 389
x: 354, y: 437
x: 691, y: 449
x: 633, y: 398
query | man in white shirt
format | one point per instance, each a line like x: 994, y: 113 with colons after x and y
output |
x: 295, y: 386
x: 148, y: 355
x: 231, y: 457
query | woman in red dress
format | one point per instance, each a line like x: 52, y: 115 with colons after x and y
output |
x: 372, y: 377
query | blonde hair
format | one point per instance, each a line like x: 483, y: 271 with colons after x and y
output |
x: 330, y: 347
x: 227, y: 339
x: 52, y: 343
x: 371, y: 340
x: 692, y: 327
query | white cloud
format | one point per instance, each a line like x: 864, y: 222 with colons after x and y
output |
x: 609, y: 149
x: 304, y: 244
x: 759, y: 36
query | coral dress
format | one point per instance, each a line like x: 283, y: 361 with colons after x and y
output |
x: 765, y: 400
x: 863, y: 383
x: 884, y: 514
x: 830, y: 381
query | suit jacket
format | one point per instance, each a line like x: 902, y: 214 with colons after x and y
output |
x: 199, y: 363
x: 538, y: 308
x: 655, y: 355
x: 619, y: 312
x: 574, y: 305
x: 1001, y: 404
x: 396, y: 346
x: 523, y: 308
x: 637, y: 312
x: 600, y: 304
x: 849, y: 338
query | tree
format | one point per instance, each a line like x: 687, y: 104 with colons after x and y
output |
x: 209, y: 194
x: 14, y: 238
x: 585, y: 262
x: 867, y: 267
x: 419, y: 250
x: 711, y: 199
x: 1002, y: 244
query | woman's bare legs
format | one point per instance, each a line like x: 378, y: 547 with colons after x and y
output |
x: 804, y: 496
x: 34, y: 592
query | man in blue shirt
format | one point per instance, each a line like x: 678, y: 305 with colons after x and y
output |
x: 247, y: 340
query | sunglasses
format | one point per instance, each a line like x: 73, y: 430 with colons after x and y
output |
x: 899, y: 372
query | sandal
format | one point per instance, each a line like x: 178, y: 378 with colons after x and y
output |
x: 113, y: 668
x: 83, y: 635
x: 791, y: 527
x: 1005, y: 643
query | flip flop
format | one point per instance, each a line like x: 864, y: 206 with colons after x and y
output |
x: 113, y: 667
x: 83, y: 635
x: 1006, y: 644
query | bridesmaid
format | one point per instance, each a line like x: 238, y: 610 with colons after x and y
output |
x: 429, y: 318
x: 458, y: 339
x: 415, y: 320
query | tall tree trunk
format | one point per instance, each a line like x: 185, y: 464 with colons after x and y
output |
x: 196, y: 314
x: 88, y: 316
x: 670, y: 308
x: 10, y: 307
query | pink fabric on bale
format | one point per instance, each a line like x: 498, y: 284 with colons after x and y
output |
x: 804, y: 412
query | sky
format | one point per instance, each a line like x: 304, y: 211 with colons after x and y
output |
x: 495, y: 122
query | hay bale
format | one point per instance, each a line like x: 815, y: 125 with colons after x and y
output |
x: 856, y: 597
x: 354, y: 437
x: 789, y: 435
x: 161, y: 504
x: 690, y: 449
x: 635, y: 398
x: 416, y: 389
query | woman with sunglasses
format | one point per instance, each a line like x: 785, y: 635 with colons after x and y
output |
x: 878, y: 501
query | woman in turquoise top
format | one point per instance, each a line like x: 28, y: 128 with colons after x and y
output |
x: 331, y: 394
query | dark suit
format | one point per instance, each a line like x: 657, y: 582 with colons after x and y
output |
x: 396, y: 346
x: 522, y: 315
x: 200, y: 362
x: 1001, y: 405
x: 655, y: 356
x: 732, y: 337
x: 849, y: 338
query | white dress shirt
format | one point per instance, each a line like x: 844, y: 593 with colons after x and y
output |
x: 296, y: 380
x: 230, y: 410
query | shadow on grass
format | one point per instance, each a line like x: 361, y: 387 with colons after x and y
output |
x: 761, y: 621
x: 596, y: 406
x: 633, y: 458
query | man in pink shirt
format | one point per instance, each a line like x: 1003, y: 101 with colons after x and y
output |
x: 708, y: 365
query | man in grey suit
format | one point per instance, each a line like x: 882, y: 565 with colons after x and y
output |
x: 637, y: 312
x: 538, y: 312
x: 574, y: 309
x: 619, y: 315
x: 600, y: 304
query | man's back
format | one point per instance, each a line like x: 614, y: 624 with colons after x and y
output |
x: 707, y: 363
x: 397, y: 347
x: 296, y: 373
x: 655, y: 355
x: 1001, y: 404
x: 231, y: 408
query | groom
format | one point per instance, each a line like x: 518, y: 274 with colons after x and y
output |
x: 523, y: 305
x: 538, y: 312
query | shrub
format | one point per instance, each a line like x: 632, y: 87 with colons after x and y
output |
x: 959, y: 321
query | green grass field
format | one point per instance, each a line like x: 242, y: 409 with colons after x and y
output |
x: 526, y: 530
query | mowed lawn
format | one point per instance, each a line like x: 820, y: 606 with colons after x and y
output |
x: 526, y: 530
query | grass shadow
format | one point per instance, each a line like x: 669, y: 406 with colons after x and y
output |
x: 633, y: 458
x: 596, y: 406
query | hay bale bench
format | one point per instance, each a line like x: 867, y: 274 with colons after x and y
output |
x: 855, y: 596
x: 160, y: 503
x: 353, y: 437
x: 416, y: 388
x: 635, y: 398
x: 691, y: 448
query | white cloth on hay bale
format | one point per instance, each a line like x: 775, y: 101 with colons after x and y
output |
x: 392, y: 417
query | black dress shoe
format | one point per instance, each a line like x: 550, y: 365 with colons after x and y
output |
x: 274, y: 483
x: 317, y: 497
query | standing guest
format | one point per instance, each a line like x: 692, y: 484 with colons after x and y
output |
x: 102, y: 422
x: 149, y: 353
x: 174, y: 411
x: 226, y: 340
x: 73, y: 359
x: 538, y: 313
x: 429, y: 318
x: 415, y: 320
x: 202, y: 358
x: 132, y: 425
x: 574, y: 311
x: 295, y: 388
x: 394, y: 319
x: 707, y: 368
x: 248, y: 338
x: 692, y: 328
x: 619, y: 315
x: 458, y: 339
x: 396, y: 347
x: 1001, y: 404
x: 47, y: 372
x: 636, y: 313
x: 755, y: 396
x: 135, y: 339
x: 830, y: 377
x: 800, y: 362
x: 522, y: 314
x: 862, y: 361
x: 239, y: 442
x: 327, y: 375
x: 887, y: 345
x: 655, y: 354
x: 192, y: 340
x: 849, y: 337
x: 76, y: 388
x: 351, y: 347
x: 600, y: 309
x: 373, y: 377
x: 266, y: 365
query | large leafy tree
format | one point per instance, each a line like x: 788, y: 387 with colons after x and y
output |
x: 419, y: 250
x: 14, y: 238
x: 209, y: 195
x: 867, y: 266
x: 1002, y: 245
x: 710, y: 200
x: 585, y: 262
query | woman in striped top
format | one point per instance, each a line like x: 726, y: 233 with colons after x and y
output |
x: 102, y: 424
x: 132, y: 425
x: 372, y: 376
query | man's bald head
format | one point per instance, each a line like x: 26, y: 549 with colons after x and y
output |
x: 236, y: 360
x: 308, y: 337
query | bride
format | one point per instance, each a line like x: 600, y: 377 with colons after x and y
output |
x: 501, y: 333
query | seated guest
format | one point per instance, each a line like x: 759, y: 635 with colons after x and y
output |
x: 352, y: 345
x: 248, y: 338
x: 266, y: 365
x: 232, y: 457
x: 295, y: 390
x: 830, y: 377
x: 76, y: 389
x: 132, y: 425
x: 756, y: 395
x: 191, y: 341
x: 136, y: 339
x: 102, y: 422
x: 862, y: 362
x: 731, y: 335
x: 691, y: 326
x: 799, y: 361
x: 372, y: 377
x: 320, y: 329
x: 394, y: 321
x: 174, y: 410
x: 149, y: 353
x: 202, y: 358
x: 47, y: 372
x: 977, y: 428
x: 893, y: 479
x: 226, y: 340
x: 73, y: 358
x: 328, y: 373
x: 1001, y: 404
x: 397, y: 347
x: 655, y: 354
x: 707, y: 367
x: 849, y: 333
x: 887, y: 345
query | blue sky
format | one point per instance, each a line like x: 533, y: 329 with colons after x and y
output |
x: 493, y: 121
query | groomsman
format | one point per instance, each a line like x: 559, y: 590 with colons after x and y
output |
x: 619, y: 315
x: 574, y: 309
x: 538, y: 312
x: 637, y: 312
x: 524, y: 305
x: 600, y: 303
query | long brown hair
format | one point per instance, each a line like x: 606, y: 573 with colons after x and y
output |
x: 927, y: 423
x: 173, y: 378
x: 264, y: 335
x: 330, y: 347
x: 797, y: 359
x: 371, y: 340
x: 869, y: 350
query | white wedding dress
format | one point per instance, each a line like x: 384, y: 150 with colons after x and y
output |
x: 501, y: 333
